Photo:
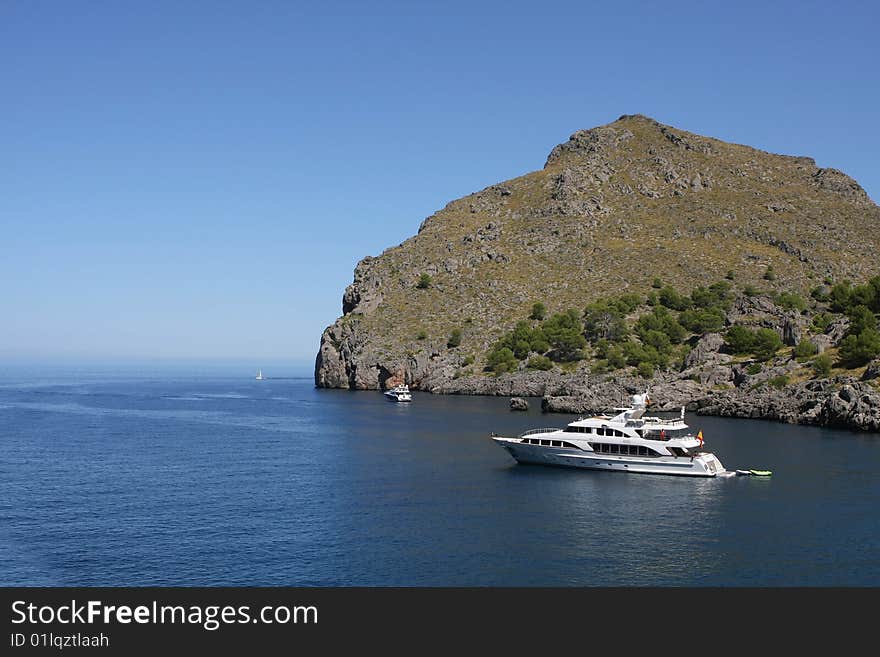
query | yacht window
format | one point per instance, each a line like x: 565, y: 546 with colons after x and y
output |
x: 601, y: 431
x: 557, y: 443
x: 613, y: 449
x: 643, y: 451
x: 545, y: 442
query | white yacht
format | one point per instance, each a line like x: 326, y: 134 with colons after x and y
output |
x: 260, y: 376
x: 626, y: 442
x: 399, y: 393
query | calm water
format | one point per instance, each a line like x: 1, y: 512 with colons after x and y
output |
x: 160, y: 481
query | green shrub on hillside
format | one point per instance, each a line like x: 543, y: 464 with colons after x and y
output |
x: 821, y: 321
x: 454, y: 339
x: 702, y: 320
x: 660, y: 341
x: 822, y: 366
x: 660, y: 319
x: 501, y: 360
x: 540, y: 363
x: 763, y: 343
x: 636, y: 354
x: 603, y: 321
x: 739, y: 340
x: 539, y: 311
x: 626, y: 303
x: 717, y: 295
x: 425, y: 281
x: 805, y: 349
x: 844, y: 296
x: 861, y: 318
x: 564, y: 333
x: 778, y: 382
x: 857, y: 350
x: 790, y: 301
x: 839, y: 296
x: 670, y: 298
x: 767, y: 343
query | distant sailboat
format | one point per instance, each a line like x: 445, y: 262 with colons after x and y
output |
x: 260, y: 376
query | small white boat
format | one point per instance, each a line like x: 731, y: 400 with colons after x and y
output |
x: 260, y: 376
x: 627, y: 442
x: 399, y: 393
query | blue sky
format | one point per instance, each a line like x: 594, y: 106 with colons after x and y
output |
x: 197, y: 180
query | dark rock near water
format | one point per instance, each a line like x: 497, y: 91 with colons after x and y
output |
x: 518, y: 404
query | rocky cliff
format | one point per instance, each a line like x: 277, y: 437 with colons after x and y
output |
x: 613, y: 208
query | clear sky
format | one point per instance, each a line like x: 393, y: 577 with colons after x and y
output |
x: 197, y: 180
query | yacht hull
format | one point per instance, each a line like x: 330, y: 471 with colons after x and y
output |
x: 704, y: 465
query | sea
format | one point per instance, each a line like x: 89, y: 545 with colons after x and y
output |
x: 136, y: 478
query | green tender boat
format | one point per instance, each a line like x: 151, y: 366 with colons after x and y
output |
x: 761, y: 473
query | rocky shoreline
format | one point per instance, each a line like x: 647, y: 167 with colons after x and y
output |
x: 712, y: 385
x: 841, y: 402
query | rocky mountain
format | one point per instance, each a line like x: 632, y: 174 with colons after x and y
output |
x: 612, y: 209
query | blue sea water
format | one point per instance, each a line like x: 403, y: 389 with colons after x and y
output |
x: 111, y: 479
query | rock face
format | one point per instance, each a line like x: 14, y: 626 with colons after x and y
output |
x: 518, y: 404
x: 613, y: 208
x: 824, y: 403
